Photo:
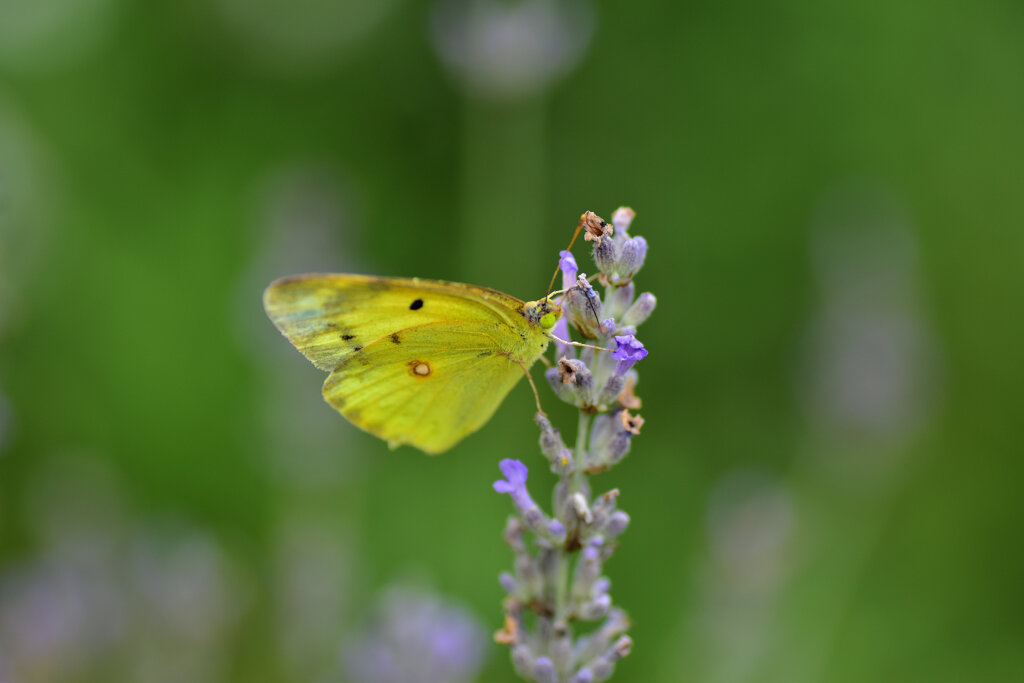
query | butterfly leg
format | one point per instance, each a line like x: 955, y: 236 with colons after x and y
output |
x: 536, y: 394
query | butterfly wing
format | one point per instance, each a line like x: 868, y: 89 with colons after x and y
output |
x: 416, y: 362
x: 330, y: 317
x: 430, y: 388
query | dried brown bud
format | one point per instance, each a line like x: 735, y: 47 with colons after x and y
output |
x: 509, y: 634
x: 622, y: 647
x: 595, y: 227
x: 627, y: 398
x: 570, y: 369
x: 631, y: 423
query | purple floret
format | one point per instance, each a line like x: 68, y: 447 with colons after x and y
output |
x: 629, y: 351
x: 567, y: 263
x: 514, y: 483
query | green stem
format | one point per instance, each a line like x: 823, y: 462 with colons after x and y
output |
x: 562, y: 588
x: 579, y: 453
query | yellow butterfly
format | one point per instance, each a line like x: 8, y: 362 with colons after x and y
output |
x: 419, y: 362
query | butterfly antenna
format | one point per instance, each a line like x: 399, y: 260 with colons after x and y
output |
x: 579, y: 227
x: 593, y: 310
x: 569, y: 342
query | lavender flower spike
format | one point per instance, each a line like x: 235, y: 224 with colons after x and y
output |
x: 557, y: 579
x: 629, y: 351
x: 514, y: 484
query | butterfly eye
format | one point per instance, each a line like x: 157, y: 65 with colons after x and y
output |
x: 548, y: 320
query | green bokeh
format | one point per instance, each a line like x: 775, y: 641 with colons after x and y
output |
x: 134, y: 335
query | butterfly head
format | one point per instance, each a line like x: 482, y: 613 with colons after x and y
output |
x: 543, y: 312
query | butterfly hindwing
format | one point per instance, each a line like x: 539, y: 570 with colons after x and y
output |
x: 428, y: 387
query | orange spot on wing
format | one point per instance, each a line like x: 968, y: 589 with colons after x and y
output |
x: 418, y: 368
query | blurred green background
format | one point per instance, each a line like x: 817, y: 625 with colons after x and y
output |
x: 828, y: 483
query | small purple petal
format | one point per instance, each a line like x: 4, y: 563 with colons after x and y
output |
x: 544, y: 670
x: 629, y: 351
x: 607, y: 326
x: 596, y: 608
x: 584, y: 675
x: 513, y: 470
x: 514, y: 483
x: 616, y: 524
x: 561, y: 330
x: 601, y: 604
x: 508, y: 582
x: 641, y: 244
x: 555, y: 528
x: 567, y: 264
x: 622, y: 217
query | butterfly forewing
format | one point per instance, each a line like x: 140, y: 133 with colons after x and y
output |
x: 329, y: 317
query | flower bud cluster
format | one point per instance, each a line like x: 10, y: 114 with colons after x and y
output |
x: 618, y: 256
x: 557, y: 577
x: 595, y: 382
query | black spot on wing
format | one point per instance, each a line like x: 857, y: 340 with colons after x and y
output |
x: 357, y: 348
x: 416, y: 305
x: 395, y: 339
x: 348, y: 337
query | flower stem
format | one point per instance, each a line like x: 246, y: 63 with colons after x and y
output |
x: 576, y: 481
x: 580, y: 452
x: 562, y: 590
